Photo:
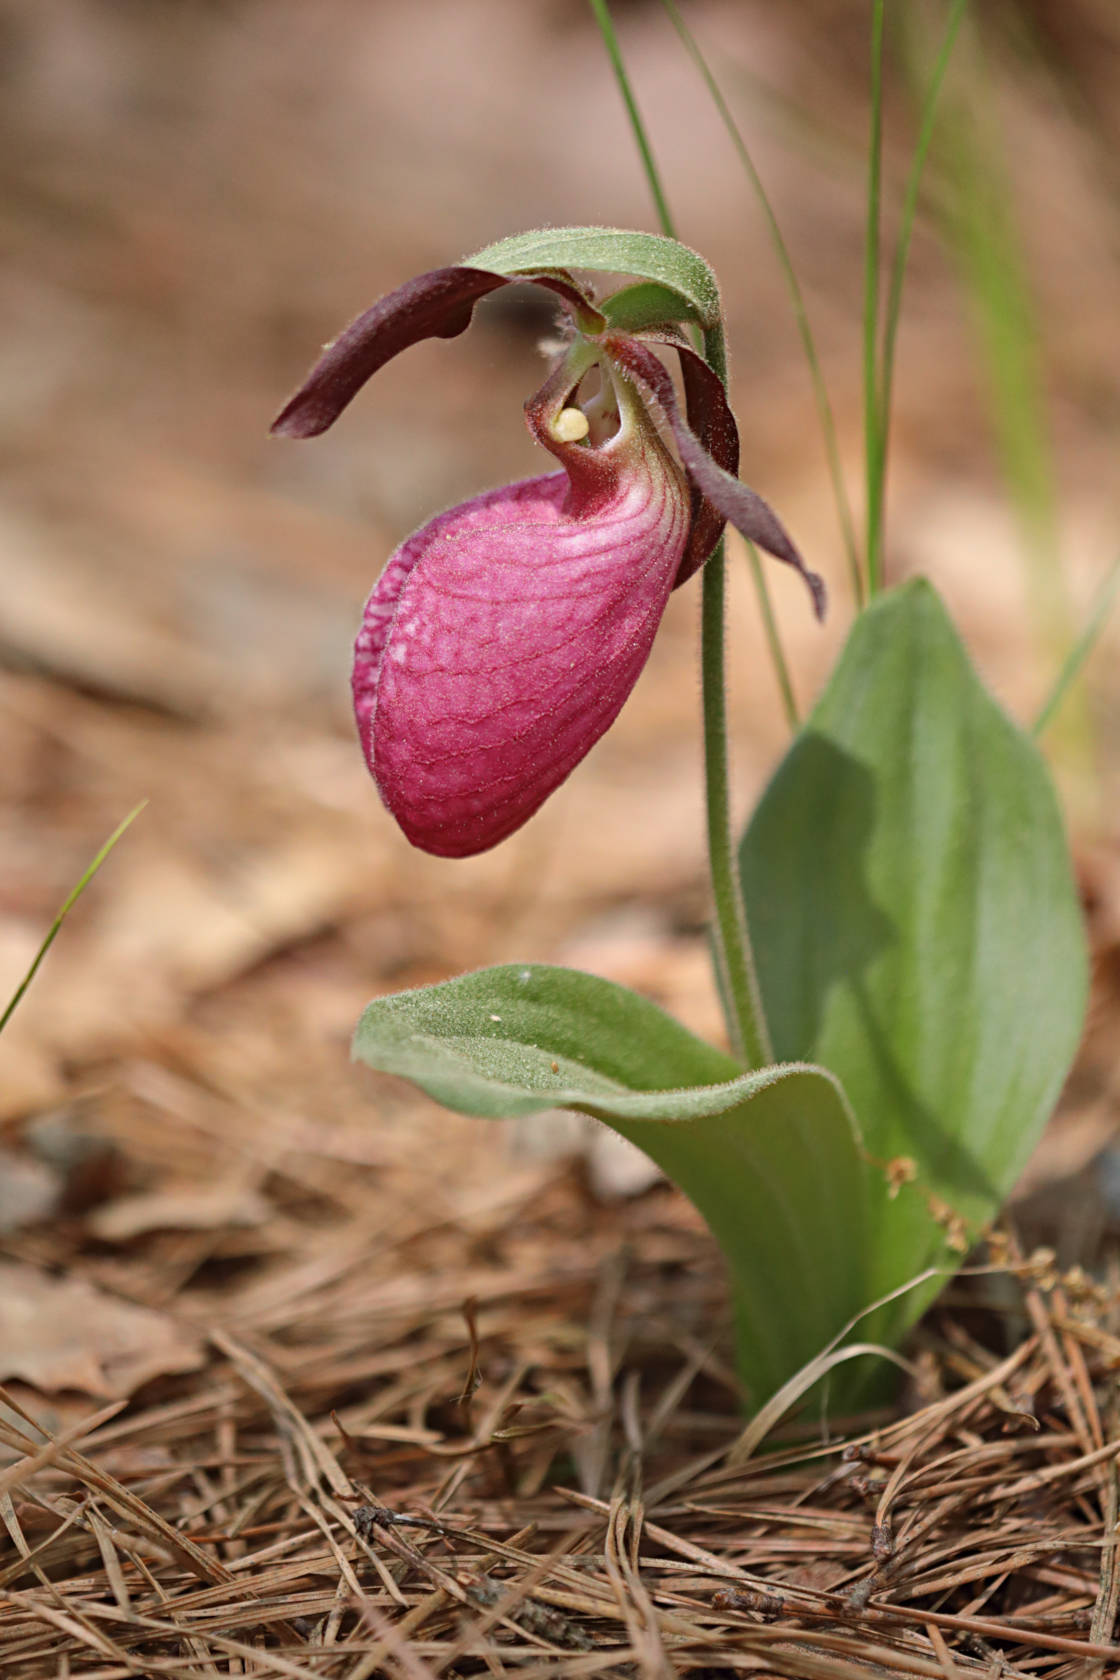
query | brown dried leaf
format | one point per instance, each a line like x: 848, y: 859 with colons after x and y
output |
x: 191, y: 1208
x: 29, y: 1190
x: 60, y: 1333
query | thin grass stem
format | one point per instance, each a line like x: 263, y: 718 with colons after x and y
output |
x: 797, y: 300
x: 893, y: 311
x: 1082, y: 647
x: 67, y: 905
x: 873, y: 420
x: 641, y: 139
x: 983, y: 233
x: 770, y: 627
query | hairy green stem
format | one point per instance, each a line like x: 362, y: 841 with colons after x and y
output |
x: 734, y: 959
x: 742, y: 1001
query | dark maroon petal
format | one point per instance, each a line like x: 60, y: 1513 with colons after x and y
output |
x: 714, y: 424
x: 712, y: 420
x: 703, y: 461
x: 435, y: 305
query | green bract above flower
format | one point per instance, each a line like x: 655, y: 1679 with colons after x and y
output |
x: 503, y: 638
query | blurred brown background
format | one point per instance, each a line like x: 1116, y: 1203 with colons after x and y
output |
x: 197, y: 193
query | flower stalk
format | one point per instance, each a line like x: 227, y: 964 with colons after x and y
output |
x: 739, y: 989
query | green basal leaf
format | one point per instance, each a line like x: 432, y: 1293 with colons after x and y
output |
x: 771, y: 1159
x: 916, y: 926
x: 648, y: 256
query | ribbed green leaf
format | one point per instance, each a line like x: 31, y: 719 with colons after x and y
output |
x: 916, y: 926
x: 647, y: 256
x: 770, y: 1159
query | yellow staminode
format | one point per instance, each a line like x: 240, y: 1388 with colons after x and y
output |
x: 570, y: 425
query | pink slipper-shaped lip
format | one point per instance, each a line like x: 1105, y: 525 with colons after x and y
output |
x: 503, y: 638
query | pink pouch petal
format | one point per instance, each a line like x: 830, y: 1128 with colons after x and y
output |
x: 504, y: 637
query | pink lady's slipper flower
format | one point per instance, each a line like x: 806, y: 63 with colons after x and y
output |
x: 503, y: 638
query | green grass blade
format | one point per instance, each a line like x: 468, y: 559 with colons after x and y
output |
x: 773, y: 641
x: 797, y: 300
x: 1082, y: 647
x: 982, y: 232
x: 67, y: 905
x: 878, y: 470
x: 873, y: 419
x: 641, y: 139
